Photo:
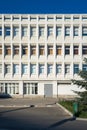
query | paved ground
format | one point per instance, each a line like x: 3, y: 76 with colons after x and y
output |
x: 39, y: 118
x: 27, y: 102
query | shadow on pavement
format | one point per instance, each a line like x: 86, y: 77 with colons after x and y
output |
x: 17, y: 109
x: 62, y: 122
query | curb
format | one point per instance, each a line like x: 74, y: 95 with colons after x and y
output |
x: 68, y: 112
x: 35, y: 106
x: 77, y: 118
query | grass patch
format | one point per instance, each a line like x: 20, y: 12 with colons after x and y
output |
x: 69, y: 106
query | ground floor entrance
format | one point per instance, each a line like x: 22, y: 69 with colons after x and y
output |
x: 38, y: 88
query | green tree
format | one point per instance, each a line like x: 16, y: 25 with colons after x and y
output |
x: 82, y: 84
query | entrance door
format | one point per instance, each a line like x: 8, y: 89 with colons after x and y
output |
x: 48, y: 90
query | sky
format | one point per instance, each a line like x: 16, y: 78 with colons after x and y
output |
x: 43, y: 6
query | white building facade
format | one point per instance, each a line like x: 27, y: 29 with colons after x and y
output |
x: 40, y: 54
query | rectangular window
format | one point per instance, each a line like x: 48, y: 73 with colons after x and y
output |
x: 58, y: 50
x: 67, y: 68
x: 0, y: 31
x: 16, y: 68
x: 0, y: 68
x: 41, y: 68
x: 15, y: 31
x: 67, y: 50
x: 24, y: 31
x: 41, y: 31
x: 84, y: 67
x: 7, y: 31
x: 33, y: 50
x: 50, y: 69
x: 24, y: 50
x: 76, y: 68
x: 58, y: 31
x: 32, y: 31
x: 67, y: 31
x: 76, y: 31
x: 16, y: 50
x: 84, y: 50
x: 58, y: 68
x: 0, y: 49
x: 33, y: 69
x: 30, y: 88
x: 7, y: 50
x: 24, y: 69
x: 84, y: 31
x: 50, y: 31
x: 50, y: 50
x: 41, y: 50
x: 1, y: 88
x: 7, y: 68
x: 76, y: 50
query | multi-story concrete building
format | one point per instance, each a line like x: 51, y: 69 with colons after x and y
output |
x: 40, y: 54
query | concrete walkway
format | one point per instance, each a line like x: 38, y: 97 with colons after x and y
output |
x: 26, y: 102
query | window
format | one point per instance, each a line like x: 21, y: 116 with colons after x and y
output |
x: 11, y: 88
x: 58, y: 31
x: 67, y: 68
x: 0, y: 49
x: 7, y: 68
x: 84, y: 50
x: 58, y: 18
x: 58, y: 68
x: 41, y: 50
x: 58, y: 50
x: 41, y: 31
x: 50, y: 18
x: 67, y: 50
x: 33, y: 50
x: 16, y: 68
x: 0, y: 31
x: 67, y: 31
x: 50, y: 50
x: 41, y: 68
x: 0, y: 68
x: 15, y: 31
x: 24, y: 31
x: 84, y: 67
x: 32, y: 31
x: 76, y: 50
x: 33, y: 18
x: 24, y: 68
x: 50, y: 31
x: 76, y: 31
x: 24, y: 50
x: 33, y: 69
x: 7, y: 31
x: 84, y: 31
x: 67, y: 18
x: 50, y: 69
x: 76, y: 68
x: 7, y: 50
x: 84, y: 18
x: 75, y: 18
x: 16, y: 50
x: 1, y: 88
x: 30, y: 88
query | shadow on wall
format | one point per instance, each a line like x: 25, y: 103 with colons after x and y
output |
x: 4, y: 95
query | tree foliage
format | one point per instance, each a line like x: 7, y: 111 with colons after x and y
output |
x: 82, y: 84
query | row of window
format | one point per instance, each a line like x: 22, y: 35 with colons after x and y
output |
x: 41, y: 31
x: 43, y: 18
x: 13, y: 88
x: 50, y: 50
x: 42, y: 68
